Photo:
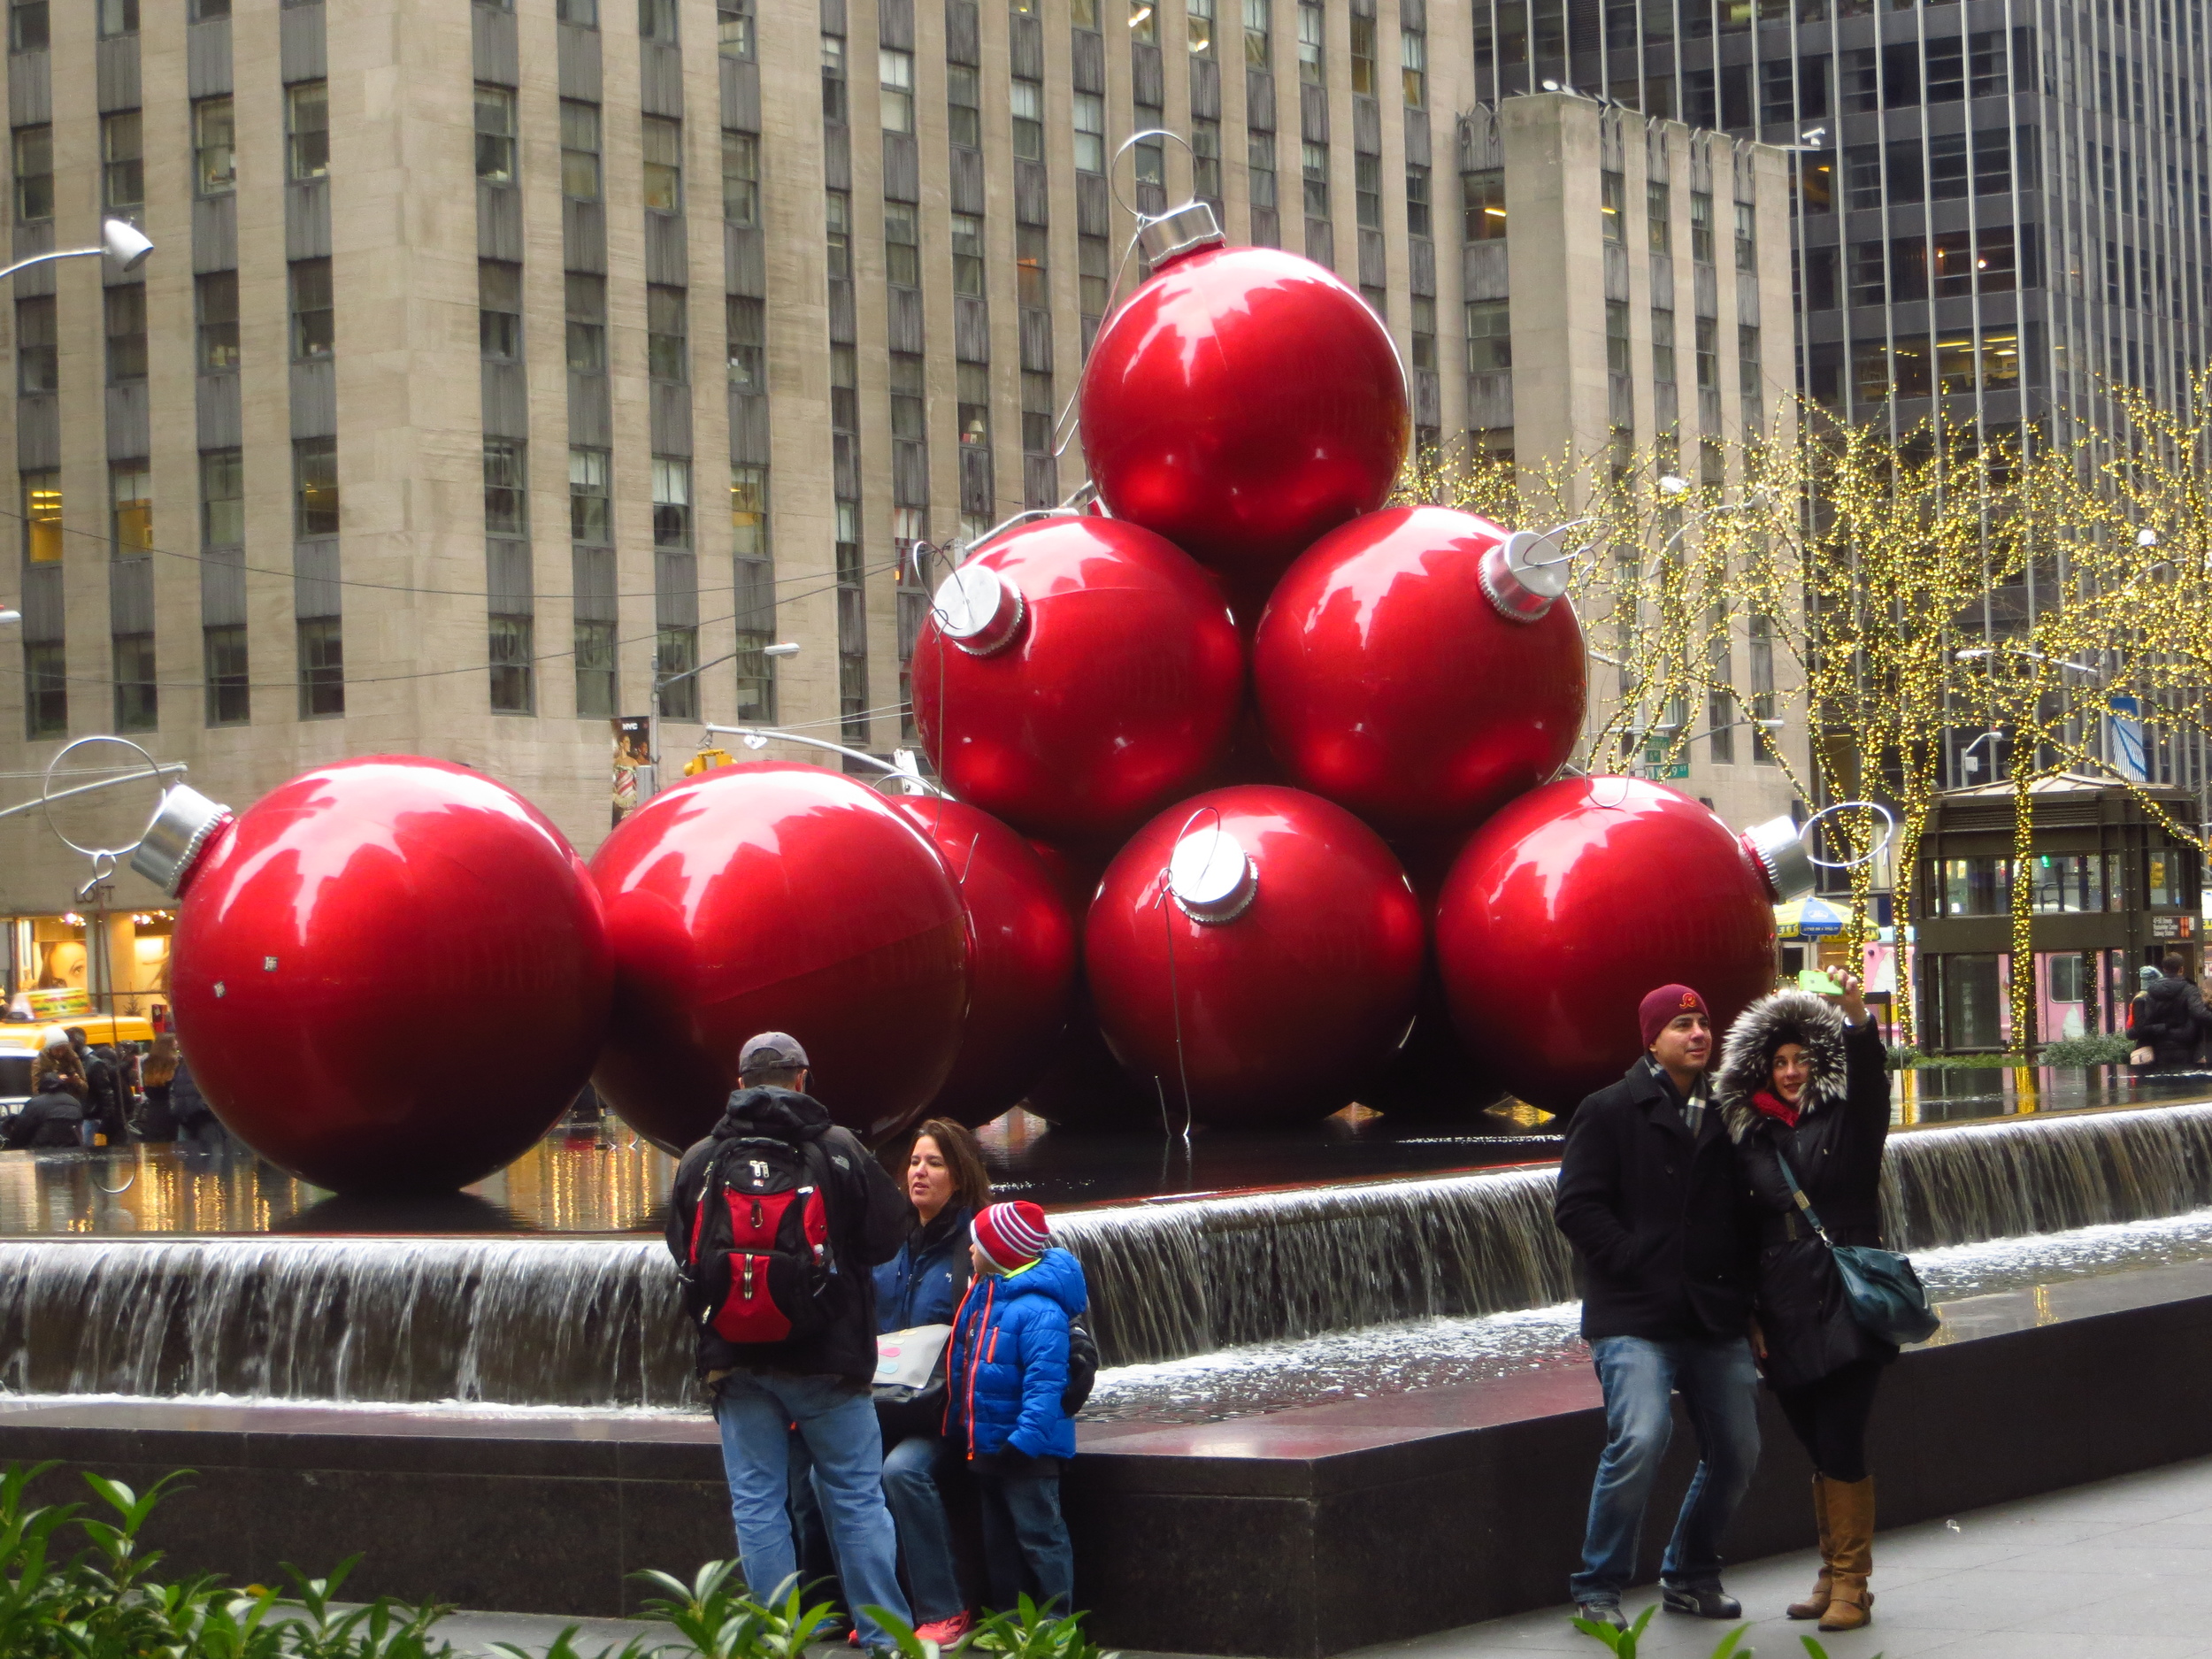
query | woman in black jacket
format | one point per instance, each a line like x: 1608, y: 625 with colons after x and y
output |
x: 1800, y: 1082
x: 54, y: 1115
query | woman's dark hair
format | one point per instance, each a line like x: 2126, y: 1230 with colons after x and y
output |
x: 971, y: 1181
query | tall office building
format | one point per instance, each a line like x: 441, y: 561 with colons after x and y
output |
x: 505, y: 367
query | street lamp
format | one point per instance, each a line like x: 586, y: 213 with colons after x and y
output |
x: 122, y: 244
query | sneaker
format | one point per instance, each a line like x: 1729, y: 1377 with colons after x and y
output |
x: 1607, y: 1613
x: 945, y: 1632
x: 1702, y: 1601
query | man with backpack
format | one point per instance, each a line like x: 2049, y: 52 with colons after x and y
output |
x: 776, y: 1220
x: 2170, y: 1018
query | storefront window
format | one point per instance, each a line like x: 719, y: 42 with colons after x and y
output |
x: 1969, y: 886
x: 1973, y: 998
x: 2170, y: 876
x: 2071, y: 881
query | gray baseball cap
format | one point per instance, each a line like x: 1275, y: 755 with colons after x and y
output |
x: 771, y: 1051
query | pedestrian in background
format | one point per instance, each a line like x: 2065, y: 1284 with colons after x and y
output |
x: 1649, y: 1197
x: 1008, y: 1381
x: 2170, y: 1018
x: 1805, y: 1092
x: 775, y: 1220
x: 156, y: 1119
x: 54, y: 1114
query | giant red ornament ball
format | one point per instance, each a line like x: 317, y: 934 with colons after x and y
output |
x: 776, y: 896
x: 388, y: 974
x: 1391, y: 681
x: 1572, y: 903
x: 1074, y: 676
x: 1241, y: 402
x: 1021, y: 959
x: 1259, y: 947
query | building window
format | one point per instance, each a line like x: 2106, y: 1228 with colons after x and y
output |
x: 587, y: 301
x: 1708, y: 354
x: 590, y: 500
x: 42, y: 517
x: 749, y: 514
x: 901, y: 245
x: 1367, y: 190
x: 837, y: 216
x: 137, y: 694
x: 964, y: 104
x: 1310, y: 25
x: 895, y: 98
x: 967, y: 254
x: 130, y: 509
x: 1413, y: 67
x: 223, y: 660
x: 1702, y: 227
x: 663, y: 164
x: 1316, y: 159
x: 594, y: 669
x: 1149, y: 156
x: 974, y: 390
x: 834, y: 80
x: 1205, y: 162
x: 1616, y: 337
x: 307, y: 130
x: 1658, y: 216
x: 222, y: 498
x: 1028, y: 105
x: 322, y: 666
x: 1036, y: 412
x: 1747, y: 237
x: 1032, y: 252
x: 506, y: 487
x: 907, y: 420
x: 741, y: 178
x: 125, y: 309
x: 1090, y: 133
x: 1363, y: 55
x: 579, y: 151
x: 733, y: 28
x: 1418, y: 219
x: 675, y: 664
x: 313, y: 316
x: 1144, y: 26
x: 499, y: 310
x: 667, y: 333
x: 656, y: 20
x: 1762, y: 697
x: 34, y: 174
x: 122, y: 163
x: 1489, y: 336
x: 1198, y: 28
x: 37, y: 350
x: 1258, y: 19
x: 1662, y: 368
x: 509, y: 641
x: 28, y: 30
x: 45, y: 678
x: 314, y: 487
x: 583, y: 13
x: 1423, y: 332
x: 1259, y: 156
x: 215, y: 306
x: 1484, y: 192
x: 1093, y: 275
x: 495, y: 135
x: 747, y: 329
x: 672, y: 501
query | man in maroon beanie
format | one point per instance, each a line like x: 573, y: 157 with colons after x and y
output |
x: 1648, y: 1196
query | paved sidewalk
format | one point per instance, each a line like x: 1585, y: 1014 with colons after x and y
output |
x: 2117, y: 1568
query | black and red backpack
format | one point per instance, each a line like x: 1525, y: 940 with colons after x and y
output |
x: 760, y: 1267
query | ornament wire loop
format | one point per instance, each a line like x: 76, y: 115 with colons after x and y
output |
x: 1889, y: 834
x: 112, y: 854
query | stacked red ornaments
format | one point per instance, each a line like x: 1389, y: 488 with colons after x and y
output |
x: 1409, y: 912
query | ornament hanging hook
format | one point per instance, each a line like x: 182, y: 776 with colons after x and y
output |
x: 104, y: 859
x: 1889, y: 834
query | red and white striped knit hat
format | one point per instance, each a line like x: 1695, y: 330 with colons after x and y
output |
x: 1011, y: 1235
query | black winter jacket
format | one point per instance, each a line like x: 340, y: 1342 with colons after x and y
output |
x: 1836, y: 1153
x: 869, y: 1218
x: 2171, y: 1017
x: 187, y: 1107
x: 1662, y: 1246
x: 48, y: 1119
x: 104, y: 1092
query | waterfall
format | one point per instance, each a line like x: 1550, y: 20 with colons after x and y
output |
x: 595, y: 1322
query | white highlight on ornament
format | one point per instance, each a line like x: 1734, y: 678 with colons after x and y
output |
x: 1211, y: 877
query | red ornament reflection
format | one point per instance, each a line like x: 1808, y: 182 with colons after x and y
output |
x: 1021, y: 959
x: 776, y: 896
x: 1241, y: 402
x: 1091, y: 674
x: 1572, y: 903
x: 1390, y: 682
x: 1296, y: 949
x: 389, y: 974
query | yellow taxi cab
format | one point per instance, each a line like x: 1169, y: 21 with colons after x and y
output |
x: 98, y: 1028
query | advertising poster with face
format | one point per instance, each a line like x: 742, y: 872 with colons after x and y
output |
x: 633, y: 770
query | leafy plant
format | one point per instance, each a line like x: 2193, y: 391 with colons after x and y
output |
x: 565, y: 1648
x: 384, y: 1629
x: 718, y: 1622
x: 1623, y: 1643
x: 1029, y: 1633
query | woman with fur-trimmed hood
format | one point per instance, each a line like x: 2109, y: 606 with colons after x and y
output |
x: 1801, y: 1081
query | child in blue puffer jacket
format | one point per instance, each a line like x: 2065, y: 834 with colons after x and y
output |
x: 1007, y: 1374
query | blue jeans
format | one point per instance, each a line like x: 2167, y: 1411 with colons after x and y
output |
x: 756, y: 1410
x: 1720, y: 1387
x: 1026, y: 1542
x: 910, y: 1486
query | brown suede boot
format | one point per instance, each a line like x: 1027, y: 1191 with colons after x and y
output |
x: 1851, y: 1522
x: 1814, y: 1605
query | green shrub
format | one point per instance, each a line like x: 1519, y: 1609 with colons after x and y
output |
x: 2104, y: 1050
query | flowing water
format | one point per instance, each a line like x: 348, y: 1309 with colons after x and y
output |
x: 594, y: 1322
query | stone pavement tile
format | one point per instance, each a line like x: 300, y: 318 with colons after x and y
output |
x: 1990, y: 1598
x: 2131, y: 1559
x: 473, y: 1633
x: 2028, y: 1645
